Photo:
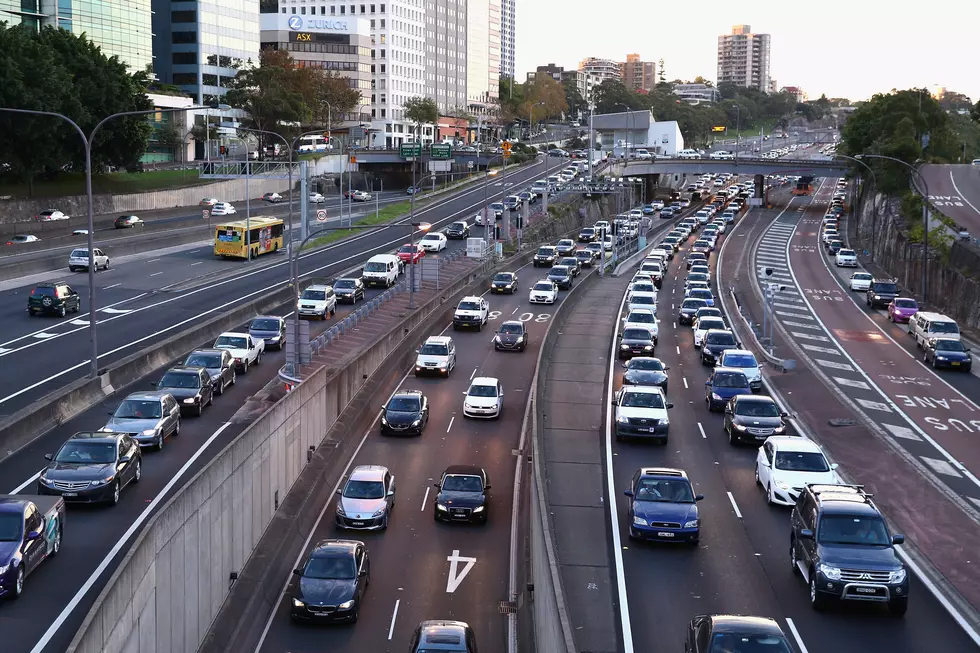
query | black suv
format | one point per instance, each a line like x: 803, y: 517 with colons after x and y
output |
x: 881, y: 292
x: 92, y: 468
x: 53, y: 298
x: 842, y: 547
x: 546, y: 256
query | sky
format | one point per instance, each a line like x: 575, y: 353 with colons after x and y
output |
x: 844, y: 48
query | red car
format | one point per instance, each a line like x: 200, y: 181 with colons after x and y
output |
x: 411, y: 253
x: 901, y: 309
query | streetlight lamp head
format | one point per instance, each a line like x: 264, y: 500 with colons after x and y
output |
x: 493, y: 172
x: 422, y: 226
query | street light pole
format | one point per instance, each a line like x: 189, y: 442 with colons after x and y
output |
x: 87, y: 141
x: 925, y: 214
x: 738, y: 131
x: 486, y: 195
x: 874, y: 199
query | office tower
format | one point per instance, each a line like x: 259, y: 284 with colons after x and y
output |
x: 743, y: 58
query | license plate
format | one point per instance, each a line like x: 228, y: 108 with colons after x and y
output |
x: 357, y: 523
x: 644, y: 429
x: 662, y: 534
x: 955, y: 363
x: 69, y: 494
x: 866, y: 590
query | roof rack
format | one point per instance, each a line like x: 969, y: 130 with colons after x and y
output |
x: 838, y: 489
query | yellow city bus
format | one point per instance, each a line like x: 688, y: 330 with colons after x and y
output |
x: 266, y: 236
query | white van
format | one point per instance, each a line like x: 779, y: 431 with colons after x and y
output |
x: 925, y: 325
x: 382, y: 270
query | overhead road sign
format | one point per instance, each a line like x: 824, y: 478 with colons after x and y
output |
x: 437, y: 151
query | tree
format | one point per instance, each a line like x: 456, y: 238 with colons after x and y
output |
x: 953, y: 101
x: 55, y: 70
x: 511, y: 96
x: 421, y: 111
x: 611, y: 93
x: 272, y: 93
x: 727, y: 90
x: 573, y: 98
x: 545, y: 90
x: 328, y: 96
x: 701, y: 80
x: 975, y: 112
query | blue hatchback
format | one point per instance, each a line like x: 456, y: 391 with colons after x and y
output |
x: 663, y: 506
x: 724, y: 383
x: 648, y: 209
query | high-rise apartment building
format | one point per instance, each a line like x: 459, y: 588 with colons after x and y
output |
x: 121, y: 27
x: 508, y: 37
x: 482, y: 55
x: 601, y: 69
x: 638, y: 75
x: 743, y: 58
x: 445, y: 54
x: 200, y: 46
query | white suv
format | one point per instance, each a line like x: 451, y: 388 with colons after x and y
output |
x: 436, y: 355
x: 317, y: 301
x: 471, y: 312
x: 78, y: 260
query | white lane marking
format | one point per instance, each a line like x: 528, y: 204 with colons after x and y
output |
x: 796, y: 636
x: 701, y: 428
x: 515, y: 310
x: 455, y: 575
x: 474, y: 373
x: 679, y: 353
x: 156, y: 274
x: 79, y: 322
x: 810, y: 336
x: 28, y: 335
x: 941, y: 466
x: 902, y: 432
x: 685, y: 382
x: 425, y: 499
x: 451, y: 419
x: 198, y: 263
x: 851, y: 383
x: 112, y: 286
x: 962, y: 196
x: 23, y: 485
x: 122, y: 542
x: 731, y: 497
x: 44, y: 335
x: 820, y: 350
x: 153, y: 260
x: 3, y: 351
x: 874, y: 405
x: 119, y: 311
x: 940, y: 596
x: 795, y: 316
x: 394, y: 615
x: 801, y: 325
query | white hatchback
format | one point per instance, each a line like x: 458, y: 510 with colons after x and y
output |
x: 860, y: 281
x: 485, y: 398
x: 847, y: 258
x: 543, y: 292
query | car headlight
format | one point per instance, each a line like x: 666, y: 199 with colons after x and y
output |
x: 298, y: 604
x: 4, y: 569
x: 738, y: 427
x: 340, y: 510
x: 190, y: 400
x: 151, y: 431
x: 380, y: 511
x: 694, y: 523
x: 520, y: 340
x: 417, y: 422
x: 941, y: 358
x: 893, y: 577
x: 831, y: 573
x: 648, y: 348
x: 665, y: 421
x: 877, y: 297
x: 103, y: 481
x: 346, y: 605
x: 782, y: 485
x: 624, y: 346
x: 509, y: 285
x: 441, y: 507
x: 716, y: 396
x: 478, y: 509
x: 639, y: 521
x: 620, y: 419
x: 384, y: 421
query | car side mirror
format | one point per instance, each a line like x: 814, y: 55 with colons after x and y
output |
x: 628, y: 493
x: 383, y: 407
x: 708, y: 382
x: 699, y: 497
x: 49, y: 456
x: 614, y: 400
x: 124, y: 459
x: 298, y: 572
x: 898, y: 538
x: 391, y: 493
x: 666, y: 367
x: 33, y: 535
x: 435, y: 485
x: 109, y: 413
x: 153, y: 383
x: 670, y: 405
x: 361, y: 573
x: 417, y: 350
x: 783, y: 413
x: 806, y: 534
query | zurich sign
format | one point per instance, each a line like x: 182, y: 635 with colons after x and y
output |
x: 295, y: 22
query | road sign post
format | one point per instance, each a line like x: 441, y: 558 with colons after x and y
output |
x: 321, y: 215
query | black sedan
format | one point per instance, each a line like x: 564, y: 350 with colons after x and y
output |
x: 587, y: 235
x: 406, y: 413
x: 715, y: 342
x: 219, y: 363
x: 717, y: 632
x: 270, y: 328
x: 512, y: 336
x: 636, y: 341
x: 190, y: 386
x: 752, y: 419
x: 331, y: 582
x: 585, y: 257
x: 947, y: 352
x: 349, y: 290
x: 645, y: 370
x: 92, y: 468
x: 562, y: 276
x: 504, y: 282
x: 464, y: 495
x: 457, y: 230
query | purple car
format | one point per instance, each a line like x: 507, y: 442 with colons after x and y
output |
x: 901, y: 309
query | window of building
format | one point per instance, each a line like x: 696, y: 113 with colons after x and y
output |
x: 283, y: 10
x: 302, y: 10
x: 372, y: 9
x: 185, y: 79
x: 383, y: 113
x: 363, y: 9
x: 372, y: 69
x: 374, y: 99
x: 383, y: 66
x: 183, y: 16
x: 323, y: 11
x: 183, y: 37
x: 184, y: 58
x: 382, y: 54
x: 209, y: 80
x: 373, y: 113
x: 382, y: 23
x: 382, y: 8
x: 372, y: 55
x: 383, y: 99
x: 372, y: 23
x: 352, y: 9
x: 343, y: 10
x: 333, y: 10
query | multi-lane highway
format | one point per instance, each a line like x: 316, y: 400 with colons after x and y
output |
x: 955, y: 191
x: 742, y: 563
x: 148, y: 300
x: 421, y: 569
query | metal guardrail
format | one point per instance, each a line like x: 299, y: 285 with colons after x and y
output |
x: 349, y: 323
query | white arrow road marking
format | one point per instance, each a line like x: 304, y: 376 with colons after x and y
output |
x: 43, y: 335
x: 118, y: 311
x: 455, y: 576
x: 79, y: 322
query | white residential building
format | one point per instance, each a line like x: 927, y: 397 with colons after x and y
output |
x: 601, y: 69
x: 445, y: 54
x: 508, y: 37
x: 743, y: 58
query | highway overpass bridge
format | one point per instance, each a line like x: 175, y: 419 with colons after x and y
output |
x: 743, y: 166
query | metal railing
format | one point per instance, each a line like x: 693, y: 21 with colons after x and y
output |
x: 349, y: 323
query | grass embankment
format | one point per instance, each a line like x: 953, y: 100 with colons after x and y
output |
x: 384, y: 216
x: 115, y: 183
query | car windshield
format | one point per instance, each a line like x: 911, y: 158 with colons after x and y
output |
x: 949, y: 345
x: 334, y: 567
x: 504, y: 277
x: 641, y: 317
x: 701, y: 293
x: 943, y: 327
x: 315, y: 295
x: 407, y: 249
x: 862, y: 276
x: 583, y: 253
x: 646, y: 364
x: 364, y: 490
x: 642, y: 400
x: 853, y: 529
x: 457, y: 226
x: 431, y: 237
x: 461, y: 483
x: 739, y: 643
x: 233, y: 342
x: 180, y: 380
x: 636, y: 334
x: 729, y: 380
x: 740, y: 360
x: 545, y: 287
x: 706, y: 323
x: 664, y: 489
x: 885, y: 287
x: 558, y: 271
x: 203, y: 360
x: 405, y: 404
x: 720, y: 339
x: 757, y: 409
x: 137, y: 409
x: 87, y: 452
x: 512, y: 327
x: 482, y: 391
x: 697, y: 276
x: 801, y: 461
x: 265, y: 325
x: 846, y: 252
x: 344, y: 284
x: 692, y: 304
x: 643, y: 287
x: 469, y: 306
x: 588, y: 231
x: 906, y: 303
x: 546, y: 251
x: 430, y: 349
x: 643, y: 299
x: 375, y: 266
x: 566, y: 243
